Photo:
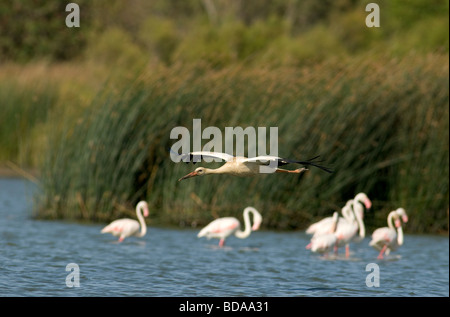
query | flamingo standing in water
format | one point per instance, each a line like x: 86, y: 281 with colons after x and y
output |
x: 387, y: 239
x: 322, y: 243
x: 347, y: 230
x: 243, y: 166
x: 364, y: 203
x: 221, y: 228
x: 329, y: 225
x: 126, y: 227
x: 348, y: 225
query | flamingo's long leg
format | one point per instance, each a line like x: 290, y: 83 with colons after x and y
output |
x: 380, y: 256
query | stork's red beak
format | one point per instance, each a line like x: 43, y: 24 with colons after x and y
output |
x: 192, y: 174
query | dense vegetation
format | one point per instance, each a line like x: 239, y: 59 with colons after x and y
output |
x: 92, y: 108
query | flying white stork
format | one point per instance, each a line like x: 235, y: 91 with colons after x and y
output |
x: 243, y: 166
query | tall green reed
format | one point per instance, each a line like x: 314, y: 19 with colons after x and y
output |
x: 24, y: 111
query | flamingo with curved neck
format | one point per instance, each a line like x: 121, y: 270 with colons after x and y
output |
x: 361, y: 199
x: 348, y: 228
x: 222, y: 228
x: 126, y: 227
x: 347, y: 225
x: 387, y: 239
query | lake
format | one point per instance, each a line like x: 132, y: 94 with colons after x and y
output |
x: 35, y: 254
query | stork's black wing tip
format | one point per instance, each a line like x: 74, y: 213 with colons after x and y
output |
x: 313, y: 162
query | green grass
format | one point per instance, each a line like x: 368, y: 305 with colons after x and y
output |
x: 24, y: 111
x: 382, y: 125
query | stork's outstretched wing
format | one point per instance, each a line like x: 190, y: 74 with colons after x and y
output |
x: 198, y: 156
x: 267, y: 159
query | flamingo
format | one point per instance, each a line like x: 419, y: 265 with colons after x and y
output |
x: 361, y: 199
x: 243, y: 166
x: 387, y: 239
x: 325, y: 225
x: 129, y: 227
x: 221, y: 228
x: 347, y: 226
x: 322, y: 243
x: 348, y: 229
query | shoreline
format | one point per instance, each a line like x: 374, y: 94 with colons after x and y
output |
x: 11, y: 170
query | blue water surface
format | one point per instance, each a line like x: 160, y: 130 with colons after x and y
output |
x: 34, y: 256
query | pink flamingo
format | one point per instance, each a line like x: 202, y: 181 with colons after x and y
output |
x: 221, y: 228
x: 348, y: 232
x: 347, y: 226
x: 322, y: 243
x: 129, y: 227
x: 387, y: 239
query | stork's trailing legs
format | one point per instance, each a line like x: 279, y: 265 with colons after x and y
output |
x: 297, y: 171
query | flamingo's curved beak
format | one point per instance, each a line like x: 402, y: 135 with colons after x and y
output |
x: 192, y: 174
x: 146, y: 212
x: 397, y: 223
x: 405, y: 218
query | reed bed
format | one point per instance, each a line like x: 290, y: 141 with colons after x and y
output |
x: 381, y: 125
x: 24, y: 109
